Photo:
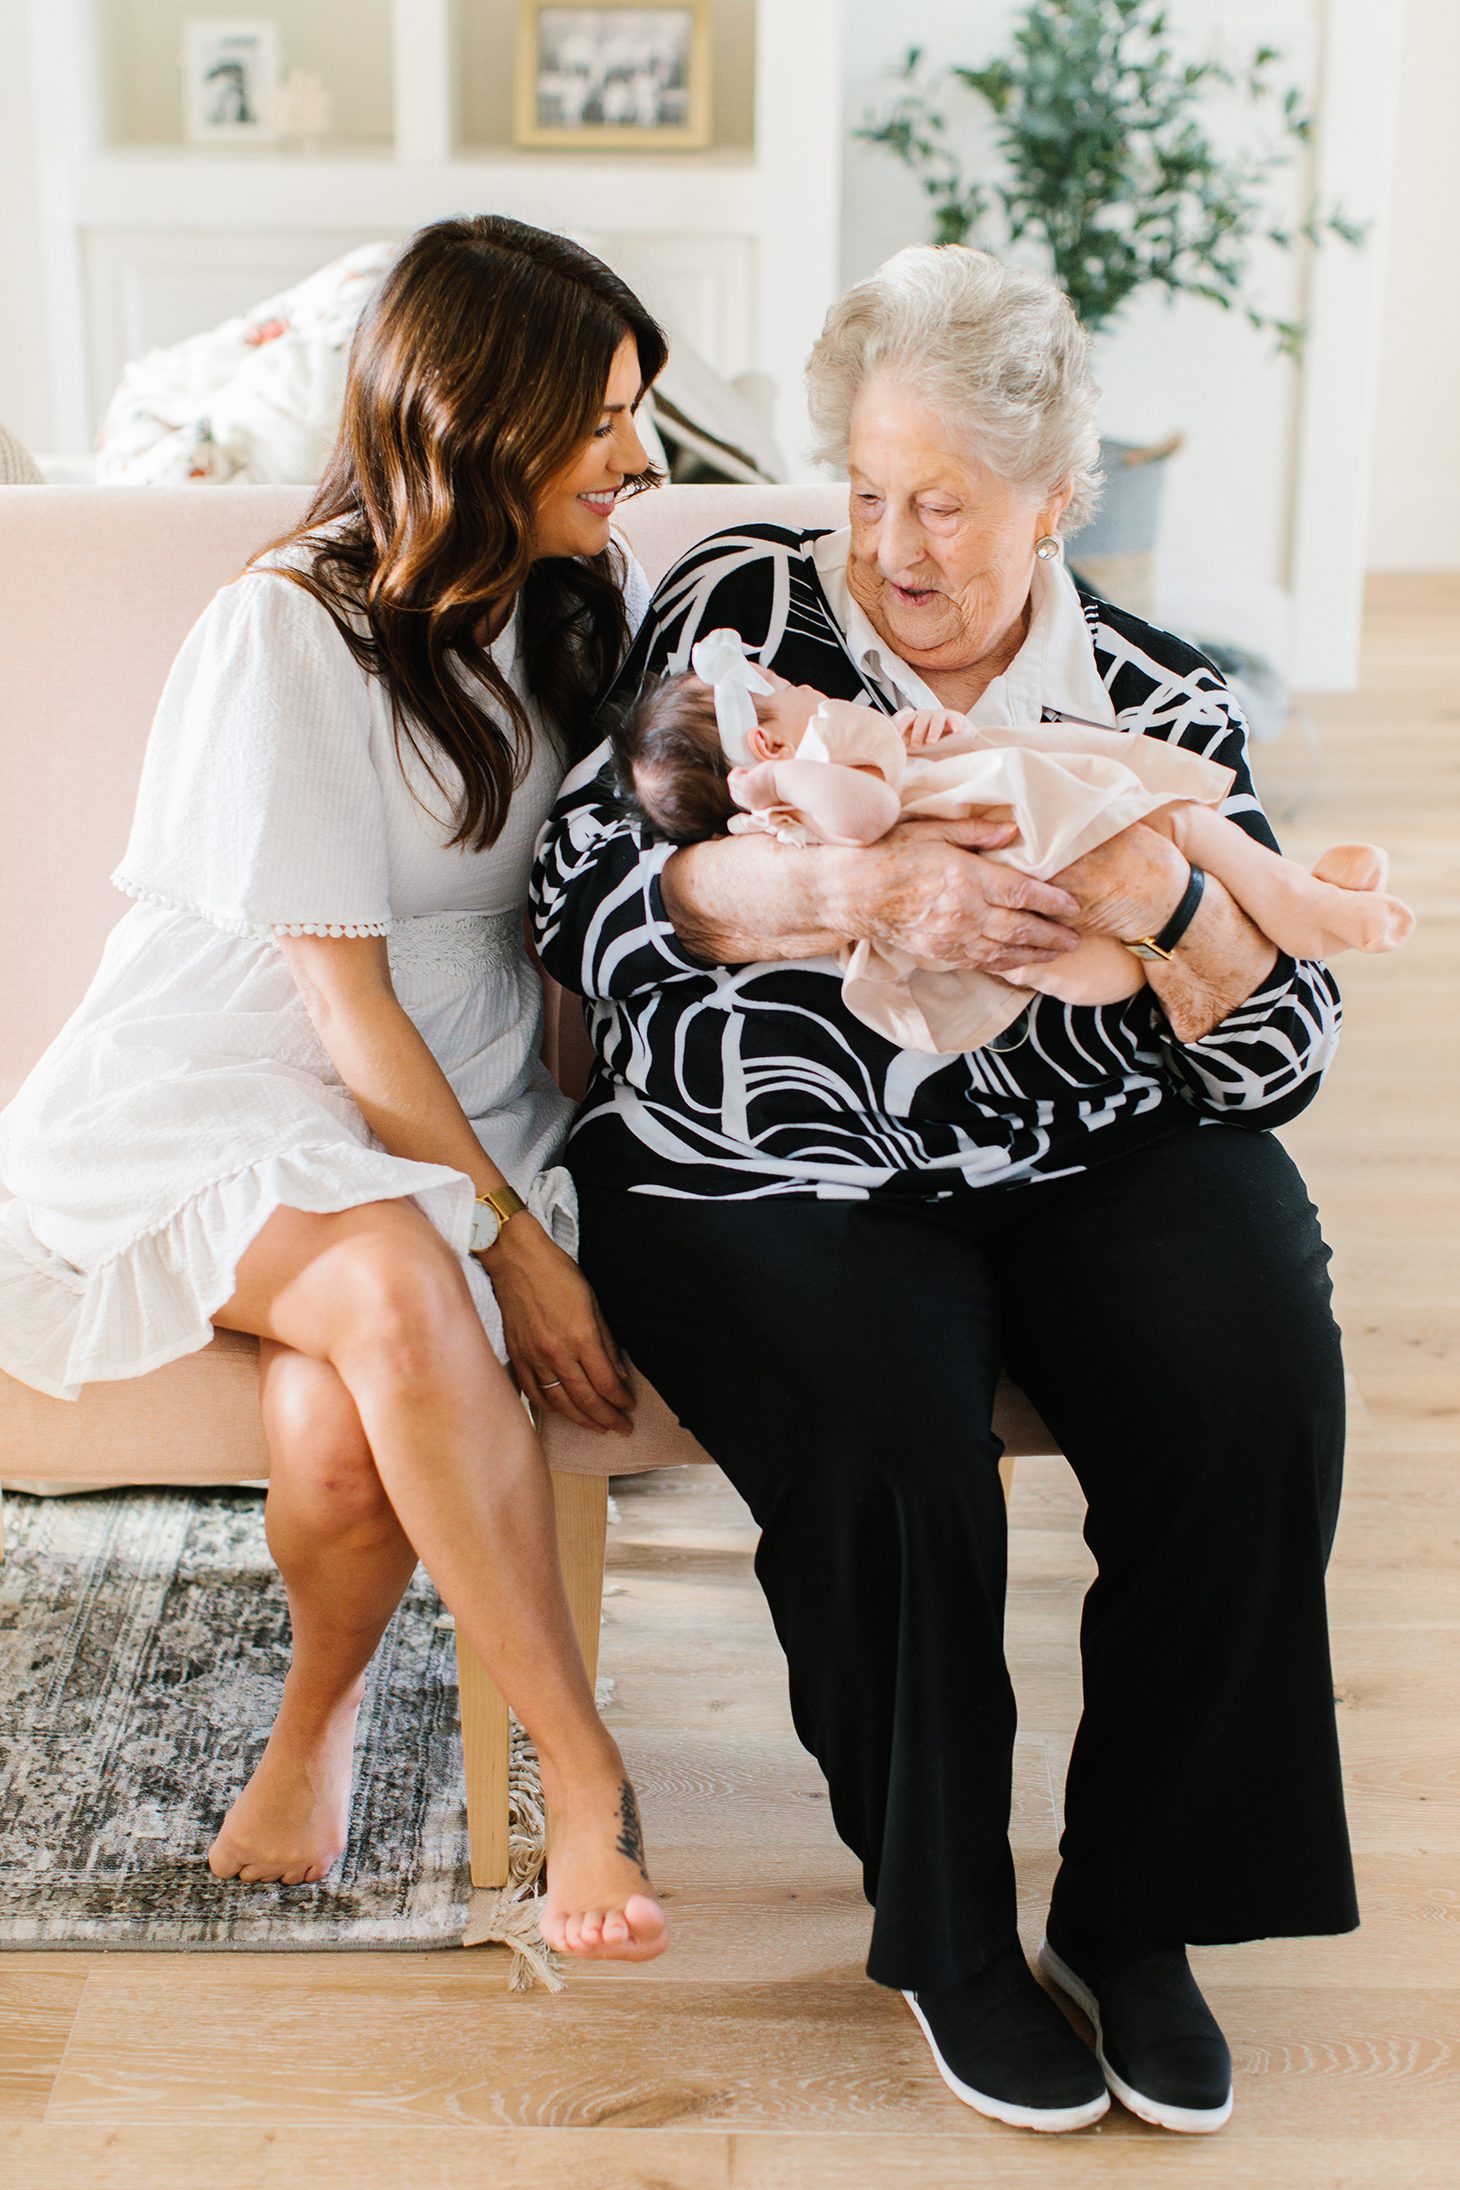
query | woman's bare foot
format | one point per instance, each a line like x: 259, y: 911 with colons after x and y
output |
x: 599, y: 1902
x: 291, y: 1821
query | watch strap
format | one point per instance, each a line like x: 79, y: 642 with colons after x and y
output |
x: 1163, y: 945
x: 505, y: 1200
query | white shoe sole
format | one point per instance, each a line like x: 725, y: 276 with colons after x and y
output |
x: 1191, y: 2121
x: 1051, y: 2119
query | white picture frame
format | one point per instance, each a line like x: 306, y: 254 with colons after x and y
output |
x: 231, y: 73
x: 610, y: 75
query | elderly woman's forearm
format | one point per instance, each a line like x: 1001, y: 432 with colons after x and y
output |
x: 1222, y: 960
x: 742, y: 900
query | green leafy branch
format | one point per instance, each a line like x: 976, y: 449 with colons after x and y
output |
x: 1107, y: 163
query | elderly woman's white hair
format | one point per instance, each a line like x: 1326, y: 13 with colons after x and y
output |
x: 997, y: 352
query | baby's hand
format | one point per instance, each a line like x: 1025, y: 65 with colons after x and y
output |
x: 921, y: 727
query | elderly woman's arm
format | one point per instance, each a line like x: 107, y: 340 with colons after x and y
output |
x: 616, y: 913
x: 923, y: 887
x: 1247, y: 1032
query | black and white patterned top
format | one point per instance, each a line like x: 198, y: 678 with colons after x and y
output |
x: 742, y: 1081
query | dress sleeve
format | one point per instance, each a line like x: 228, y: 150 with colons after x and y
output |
x: 261, y: 805
x: 1265, y: 1062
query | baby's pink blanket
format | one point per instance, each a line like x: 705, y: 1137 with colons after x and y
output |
x: 1070, y: 789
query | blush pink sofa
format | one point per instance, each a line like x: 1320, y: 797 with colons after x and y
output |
x: 101, y: 585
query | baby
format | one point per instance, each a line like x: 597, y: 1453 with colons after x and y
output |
x: 734, y: 747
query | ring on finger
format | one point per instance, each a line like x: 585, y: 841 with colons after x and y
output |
x: 546, y: 1384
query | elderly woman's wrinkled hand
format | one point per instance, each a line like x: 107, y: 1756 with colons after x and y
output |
x: 1129, y: 886
x: 926, y: 889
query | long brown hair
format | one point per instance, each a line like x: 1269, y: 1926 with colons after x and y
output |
x: 477, y: 373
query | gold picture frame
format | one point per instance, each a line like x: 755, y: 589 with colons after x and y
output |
x: 599, y: 75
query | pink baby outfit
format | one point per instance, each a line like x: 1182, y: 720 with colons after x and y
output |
x: 1070, y: 789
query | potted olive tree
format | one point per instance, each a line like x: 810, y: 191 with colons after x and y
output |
x: 1109, y: 168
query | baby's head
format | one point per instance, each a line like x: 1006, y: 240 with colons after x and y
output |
x: 673, y: 770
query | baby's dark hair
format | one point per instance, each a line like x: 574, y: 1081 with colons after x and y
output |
x: 671, y: 767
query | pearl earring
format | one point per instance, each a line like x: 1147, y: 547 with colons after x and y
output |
x: 1047, y: 547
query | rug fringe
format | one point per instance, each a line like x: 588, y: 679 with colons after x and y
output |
x: 507, y: 1916
x: 497, y: 1920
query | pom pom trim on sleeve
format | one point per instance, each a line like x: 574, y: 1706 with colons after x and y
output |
x: 238, y: 924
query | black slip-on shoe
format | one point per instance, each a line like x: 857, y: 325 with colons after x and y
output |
x: 1003, y: 2047
x: 1158, y: 2042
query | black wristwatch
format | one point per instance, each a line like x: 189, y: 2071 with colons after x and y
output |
x: 1163, y: 946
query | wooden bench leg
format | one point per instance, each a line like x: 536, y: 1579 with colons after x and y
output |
x: 582, y: 1516
x: 582, y: 1505
x: 485, y: 1743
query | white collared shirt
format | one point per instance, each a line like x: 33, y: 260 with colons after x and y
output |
x: 1055, y: 667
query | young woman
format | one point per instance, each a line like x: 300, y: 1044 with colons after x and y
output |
x: 302, y: 1097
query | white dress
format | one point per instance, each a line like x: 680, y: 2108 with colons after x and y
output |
x: 189, y: 1096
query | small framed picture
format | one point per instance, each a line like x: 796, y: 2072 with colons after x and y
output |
x: 604, y: 75
x: 231, y: 81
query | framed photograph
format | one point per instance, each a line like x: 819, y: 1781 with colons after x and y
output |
x: 600, y: 75
x: 231, y: 82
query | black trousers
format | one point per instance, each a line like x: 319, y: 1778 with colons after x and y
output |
x: 1168, y: 1313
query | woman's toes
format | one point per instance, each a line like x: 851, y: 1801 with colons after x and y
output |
x: 616, y: 1931
x: 573, y: 1932
x: 648, y: 1926
x: 590, y: 1932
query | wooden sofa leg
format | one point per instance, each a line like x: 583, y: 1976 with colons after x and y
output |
x: 1006, y: 1477
x: 485, y: 1744
x: 582, y: 1508
x: 582, y: 1517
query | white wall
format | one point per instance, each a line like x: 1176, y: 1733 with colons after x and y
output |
x: 1163, y: 368
x: 1415, y: 523
x: 24, y: 397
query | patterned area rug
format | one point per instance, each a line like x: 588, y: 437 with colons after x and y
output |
x: 143, y: 1641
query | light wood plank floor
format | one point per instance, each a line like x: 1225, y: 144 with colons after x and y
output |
x: 757, y: 2054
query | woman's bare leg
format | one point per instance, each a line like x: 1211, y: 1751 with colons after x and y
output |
x: 345, y: 1562
x: 376, y: 1293
x: 1305, y: 915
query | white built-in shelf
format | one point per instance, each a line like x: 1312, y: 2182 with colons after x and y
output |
x: 169, y: 187
x: 150, y: 238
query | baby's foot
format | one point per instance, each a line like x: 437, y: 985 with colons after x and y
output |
x: 599, y: 1902
x: 1362, y: 920
x: 292, y: 1820
x: 1353, y: 866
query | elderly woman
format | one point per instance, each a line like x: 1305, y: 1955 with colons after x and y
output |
x: 823, y: 1249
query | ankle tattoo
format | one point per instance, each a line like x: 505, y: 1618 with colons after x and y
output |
x: 631, y: 1832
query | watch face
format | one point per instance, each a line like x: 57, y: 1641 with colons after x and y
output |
x: 485, y: 1225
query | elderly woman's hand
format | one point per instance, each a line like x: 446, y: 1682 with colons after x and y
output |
x: 740, y: 900
x: 925, y: 888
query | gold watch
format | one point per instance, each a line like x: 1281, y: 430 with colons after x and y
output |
x: 490, y: 1214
